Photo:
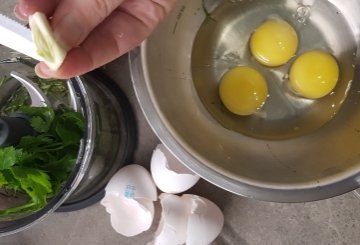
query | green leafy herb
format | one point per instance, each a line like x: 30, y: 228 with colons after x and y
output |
x: 8, y: 158
x: 35, y: 183
x: 53, y: 86
x: 2, y: 179
x: 41, y: 117
x: 55, y: 89
x: 39, y: 165
x: 4, y: 80
x: 69, y: 127
x: 18, y: 99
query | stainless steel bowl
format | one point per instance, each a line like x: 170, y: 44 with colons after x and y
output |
x: 308, y: 155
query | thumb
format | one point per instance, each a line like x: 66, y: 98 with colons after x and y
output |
x: 24, y: 8
x: 73, y: 20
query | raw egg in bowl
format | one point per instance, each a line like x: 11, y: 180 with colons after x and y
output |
x: 293, y: 148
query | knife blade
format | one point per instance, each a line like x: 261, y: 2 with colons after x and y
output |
x: 17, y: 37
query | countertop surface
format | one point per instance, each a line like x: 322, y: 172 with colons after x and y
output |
x: 333, y: 221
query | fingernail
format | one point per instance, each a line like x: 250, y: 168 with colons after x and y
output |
x: 18, y: 13
x: 43, y: 71
x: 69, y: 32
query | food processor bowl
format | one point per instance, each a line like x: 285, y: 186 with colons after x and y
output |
x: 108, y: 143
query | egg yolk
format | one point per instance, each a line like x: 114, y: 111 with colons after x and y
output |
x: 243, y: 90
x: 274, y: 43
x: 314, y: 74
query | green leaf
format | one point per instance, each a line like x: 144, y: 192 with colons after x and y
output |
x: 31, y: 141
x: 40, y: 125
x: 22, y: 156
x: 40, y: 143
x: 29, y: 207
x: 7, y: 157
x: 69, y: 126
x: 34, y: 182
x: 60, y: 169
x: 12, y: 182
x: 41, y: 117
x: 3, y: 181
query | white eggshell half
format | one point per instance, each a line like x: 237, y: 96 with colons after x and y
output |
x: 205, y: 221
x: 133, y: 182
x: 173, y: 223
x: 129, y: 217
x: 169, y: 174
x: 129, y: 197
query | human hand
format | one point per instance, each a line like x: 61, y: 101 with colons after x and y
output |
x: 96, y: 31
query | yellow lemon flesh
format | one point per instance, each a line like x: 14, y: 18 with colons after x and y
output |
x: 314, y: 74
x: 274, y: 43
x: 243, y: 90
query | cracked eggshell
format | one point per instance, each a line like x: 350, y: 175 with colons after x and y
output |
x: 173, y: 223
x: 169, y: 174
x: 133, y: 181
x: 129, y: 198
x: 128, y: 217
x: 205, y: 220
x: 189, y: 218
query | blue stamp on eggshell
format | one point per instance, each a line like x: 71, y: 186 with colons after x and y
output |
x: 130, y: 191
